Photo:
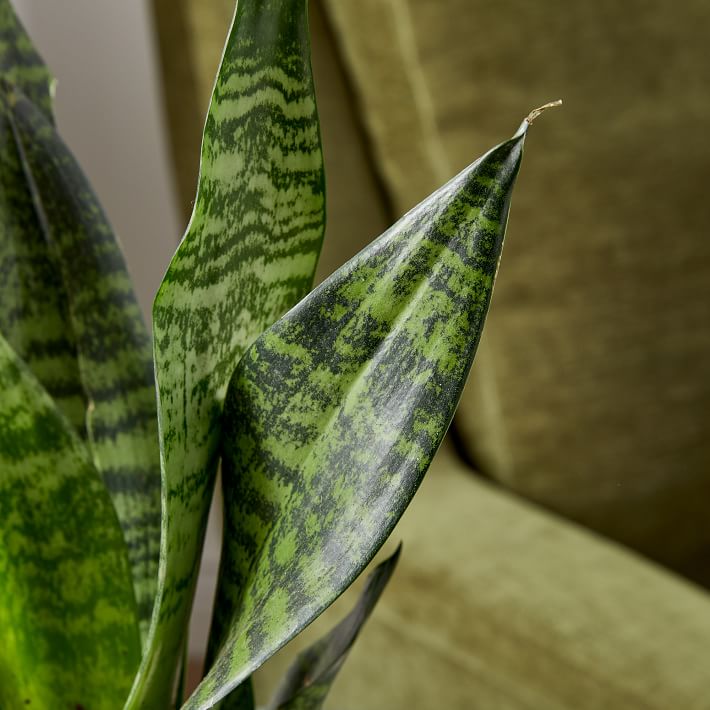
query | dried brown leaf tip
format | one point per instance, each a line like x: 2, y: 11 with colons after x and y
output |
x: 541, y: 109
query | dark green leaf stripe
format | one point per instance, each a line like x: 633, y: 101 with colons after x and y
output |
x: 248, y: 255
x: 334, y: 414
x: 114, y: 349
x: 241, y: 698
x: 68, y: 624
x: 19, y: 62
x: 310, y: 678
x: 32, y: 304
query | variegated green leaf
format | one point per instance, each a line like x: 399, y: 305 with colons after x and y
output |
x: 68, y: 624
x: 182, y: 676
x: 309, y: 679
x: 248, y: 255
x: 333, y: 415
x: 19, y: 62
x: 33, y: 310
x: 241, y: 698
x: 114, y: 349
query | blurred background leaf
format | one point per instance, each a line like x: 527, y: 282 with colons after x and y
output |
x: 112, y: 344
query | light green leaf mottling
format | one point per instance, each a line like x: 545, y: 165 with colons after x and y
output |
x: 248, y: 255
x: 19, y: 62
x: 310, y: 678
x: 33, y: 308
x: 333, y: 415
x: 112, y: 344
x: 68, y: 624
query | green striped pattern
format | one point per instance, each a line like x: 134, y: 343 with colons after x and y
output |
x: 248, y: 255
x: 33, y: 309
x: 309, y: 680
x: 68, y: 625
x: 19, y: 62
x: 113, y: 346
x: 334, y: 414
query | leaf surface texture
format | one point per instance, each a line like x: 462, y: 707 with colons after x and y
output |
x: 333, y: 415
x: 68, y: 625
x: 112, y: 344
x: 310, y: 678
x: 249, y: 254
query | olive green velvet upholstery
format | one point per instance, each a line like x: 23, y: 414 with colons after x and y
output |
x: 591, y: 389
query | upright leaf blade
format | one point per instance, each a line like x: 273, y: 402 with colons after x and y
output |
x: 333, y: 415
x: 33, y: 310
x: 249, y: 254
x: 68, y: 625
x: 309, y: 679
x: 113, y: 345
x: 20, y: 64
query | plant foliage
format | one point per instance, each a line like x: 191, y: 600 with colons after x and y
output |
x: 325, y: 409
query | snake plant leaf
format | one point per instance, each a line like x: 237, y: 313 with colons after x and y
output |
x: 310, y: 678
x: 113, y: 345
x: 249, y: 254
x: 181, y: 676
x: 68, y: 625
x: 333, y: 415
x: 241, y: 698
x: 20, y: 64
x: 33, y: 311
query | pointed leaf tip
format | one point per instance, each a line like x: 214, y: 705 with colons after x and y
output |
x: 20, y: 63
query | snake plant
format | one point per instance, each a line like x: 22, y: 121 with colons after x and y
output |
x: 324, y: 408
